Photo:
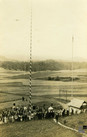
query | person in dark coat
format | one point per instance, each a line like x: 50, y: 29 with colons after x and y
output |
x: 67, y: 112
x: 57, y: 117
x: 63, y: 113
x: 72, y: 112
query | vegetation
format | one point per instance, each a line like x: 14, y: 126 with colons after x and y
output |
x: 57, y: 78
x: 42, y: 65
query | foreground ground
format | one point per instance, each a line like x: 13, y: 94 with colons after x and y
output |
x: 76, y: 121
x: 40, y: 128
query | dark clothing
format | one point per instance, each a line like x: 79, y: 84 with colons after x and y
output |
x: 57, y: 117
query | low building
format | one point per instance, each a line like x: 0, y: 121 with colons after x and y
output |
x: 77, y: 106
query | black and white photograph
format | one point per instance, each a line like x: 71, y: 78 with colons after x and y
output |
x: 43, y: 68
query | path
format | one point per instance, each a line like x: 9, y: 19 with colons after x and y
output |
x: 83, y: 134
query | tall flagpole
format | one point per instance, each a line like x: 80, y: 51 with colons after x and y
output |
x: 30, y: 84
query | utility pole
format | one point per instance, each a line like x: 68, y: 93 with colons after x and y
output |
x: 66, y: 96
x: 59, y: 93
x: 72, y: 65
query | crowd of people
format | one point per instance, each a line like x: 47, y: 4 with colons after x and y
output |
x: 24, y: 113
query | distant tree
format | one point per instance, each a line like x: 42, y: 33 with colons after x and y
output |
x: 57, y: 78
x: 49, y: 78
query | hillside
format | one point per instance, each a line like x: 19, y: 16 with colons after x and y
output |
x: 43, y: 65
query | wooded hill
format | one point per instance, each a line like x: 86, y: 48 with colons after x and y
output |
x: 43, y: 65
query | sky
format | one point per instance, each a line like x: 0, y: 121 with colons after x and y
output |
x: 54, y: 22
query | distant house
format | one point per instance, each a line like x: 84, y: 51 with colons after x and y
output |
x: 77, y: 106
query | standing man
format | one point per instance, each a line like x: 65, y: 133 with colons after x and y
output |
x: 57, y: 117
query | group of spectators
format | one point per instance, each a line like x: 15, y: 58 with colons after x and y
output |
x: 24, y: 113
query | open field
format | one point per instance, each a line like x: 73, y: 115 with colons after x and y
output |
x: 14, y: 85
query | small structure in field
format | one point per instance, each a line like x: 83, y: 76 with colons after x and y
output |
x: 77, y: 106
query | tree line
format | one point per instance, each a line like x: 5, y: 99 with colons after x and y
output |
x: 42, y: 65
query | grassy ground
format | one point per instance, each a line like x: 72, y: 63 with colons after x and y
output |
x: 76, y: 121
x: 14, y: 85
x: 40, y: 128
x: 12, y: 89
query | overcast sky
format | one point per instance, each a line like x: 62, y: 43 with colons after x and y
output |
x: 54, y: 24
